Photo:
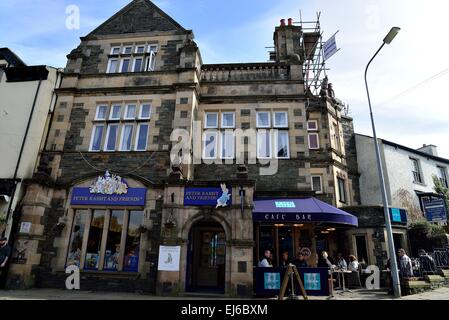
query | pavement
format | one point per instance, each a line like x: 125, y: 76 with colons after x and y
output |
x: 56, y: 294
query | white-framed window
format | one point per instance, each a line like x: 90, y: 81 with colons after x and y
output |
x: 210, y: 144
x: 314, y: 141
x: 140, y: 49
x: 442, y: 175
x: 145, y: 111
x: 111, y: 137
x: 101, y: 112
x: 312, y: 125
x: 263, y: 119
x: 113, y: 65
x: 227, y: 148
x: 96, y: 138
x: 150, y: 63
x: 126, y: 137
x: 263, y: 144
x: 152, y: 48
x: 280, y: 119
x: 116, y: 111
x: 142, y: 137
x: 341, y: 189
x: 130, y: 112
x: 228, y: 120
x: 127, y: 50
x: 282, y: 145
x: 124, y: 65
x: 317, y: 184
x: 137, y: 64
x: 115, y: 50
x: 211, y: 120
x: 416, y: 170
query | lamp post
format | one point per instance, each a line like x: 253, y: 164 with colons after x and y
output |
x: 393, y: 263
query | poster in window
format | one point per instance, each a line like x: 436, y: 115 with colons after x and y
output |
x: 132, y: 260
x: 92, y: 260
x: 169, y: 258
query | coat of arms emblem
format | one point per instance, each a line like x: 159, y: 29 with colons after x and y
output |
x: 109, y: 184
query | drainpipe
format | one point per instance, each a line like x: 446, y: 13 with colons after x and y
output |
x: 57, y: 85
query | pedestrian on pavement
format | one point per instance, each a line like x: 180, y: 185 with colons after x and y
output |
x: 5, y: 251
x: 405, y: 263
x: 426, y: 262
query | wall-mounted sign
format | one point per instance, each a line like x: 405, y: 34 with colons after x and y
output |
x: 434, y: 208
x: 285, y: 204
x: 169, y: 258
x: 212, y: 196
x: 109, y: 190
x: 398, y: 215
x: 25, y: 227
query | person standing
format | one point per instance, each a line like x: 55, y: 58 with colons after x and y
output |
x: 266, y: 262
x: 5, y: 251
x: 406, y: 268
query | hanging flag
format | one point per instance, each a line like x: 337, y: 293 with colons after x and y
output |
x: 330, y: 48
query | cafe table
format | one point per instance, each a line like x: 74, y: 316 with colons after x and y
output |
x: 341, y: 273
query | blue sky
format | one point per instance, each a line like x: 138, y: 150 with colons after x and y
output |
x: 239, y: 31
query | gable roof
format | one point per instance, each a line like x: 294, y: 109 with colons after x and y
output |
x: 11, y: 57
x: 138, y: 16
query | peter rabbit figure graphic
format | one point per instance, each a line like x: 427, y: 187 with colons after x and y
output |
x: 224, y: 198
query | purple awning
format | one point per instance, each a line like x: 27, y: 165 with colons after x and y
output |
x: 300, y: 210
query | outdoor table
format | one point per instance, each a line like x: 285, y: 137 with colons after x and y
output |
x: 341, y: 273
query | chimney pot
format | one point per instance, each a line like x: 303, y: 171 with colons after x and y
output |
x: 282, y: 22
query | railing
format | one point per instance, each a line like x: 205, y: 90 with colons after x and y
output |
x: 245, y: 72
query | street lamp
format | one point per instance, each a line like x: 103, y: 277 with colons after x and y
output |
x: 393, y: 263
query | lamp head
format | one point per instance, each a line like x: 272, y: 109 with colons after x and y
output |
x: 391, y: 35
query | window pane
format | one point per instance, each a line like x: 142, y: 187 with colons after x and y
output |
x: 131, y: 112
x: 115, y: 50
x: 98, y: 134
x: 145, y: 111
x: 113, y: 65
x: 228, y: 120
x: 313, y: 141
x: 111, y: 257
x: 76, y: 239
x: 211, y: 120
x: 280, y: 119
x: 341, y: 189
x: 115, y: 112
x: 127, y: 137
x: 263, y: 144
x: 263, y: 119
x: 227, y: 145
x: 282, y: 144
x: 101, y: 112
x: 112, y: 137
x: 140, y: 49
x: 210, y: 145
x: 138, y: 65
x: 132, y: 246
x: 316, y: 184
x: 94, y: 240
x: 312, y: 125
x: 125, y: 65
x: 143, y: 137
x: 151, y: 61
x: 127, y: 50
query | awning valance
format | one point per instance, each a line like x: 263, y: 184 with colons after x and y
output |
x: 300, y: 211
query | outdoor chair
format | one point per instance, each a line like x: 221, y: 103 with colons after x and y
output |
x: 353, y: 279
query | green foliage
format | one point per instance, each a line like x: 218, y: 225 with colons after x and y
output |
x: 430, y: 229
x: 3, y: 218
x: 441, y: 189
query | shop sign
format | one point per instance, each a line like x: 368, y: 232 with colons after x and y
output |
x: 109, y: 190
x: 434, y: 208
x: 211, y: 196
x: 287, y: 217
x: 398, y: 215
x: 169, y: 258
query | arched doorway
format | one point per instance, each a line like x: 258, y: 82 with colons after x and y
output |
x: 206, y: 257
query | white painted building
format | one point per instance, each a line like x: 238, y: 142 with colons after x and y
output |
x: 407, y: 171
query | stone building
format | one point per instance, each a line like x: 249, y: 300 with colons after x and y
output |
x: 115, y: 196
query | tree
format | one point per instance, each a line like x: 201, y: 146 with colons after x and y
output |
x: 407, y: 201
x: 440, y: 188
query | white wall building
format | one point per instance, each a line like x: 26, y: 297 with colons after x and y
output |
x: 406, y: 170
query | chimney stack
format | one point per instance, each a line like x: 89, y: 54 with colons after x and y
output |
x: 282, y: 22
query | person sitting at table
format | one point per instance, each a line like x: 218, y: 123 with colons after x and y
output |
x: 353, y: 263
x: 266, y: 262
x: 341, y: 262
x: 285, y: 260
x: 300, y: 261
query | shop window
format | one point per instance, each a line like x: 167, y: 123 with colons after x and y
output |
x: 362, y: 251
x: 341, y: 190
x: 76, y: 238
x: 132, y: 244
x: 210, y: 145
x: 280, y: 119
x: 94, y: 240
x: 112, y: 253
x: 266, y: 240
x: 282, y: 145
x: 263, y: 144
x: 263, y: 119
x: 97, y: 135
x: 227, y: 145
x: 317, y: 184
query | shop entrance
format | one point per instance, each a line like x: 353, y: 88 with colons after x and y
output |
x: 206, y: 258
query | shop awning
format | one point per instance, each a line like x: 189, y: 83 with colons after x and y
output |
x: 304, y: 210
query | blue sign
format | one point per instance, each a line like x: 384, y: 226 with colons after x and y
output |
x: 213, y: 196
x: 434, y: 208
x: 312, y: 281
x: 398, y: 215
x: 285, y: 204
x: 133, y: 197
x: 272, y: 281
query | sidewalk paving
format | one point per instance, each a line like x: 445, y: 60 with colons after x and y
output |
x: 56, y: 294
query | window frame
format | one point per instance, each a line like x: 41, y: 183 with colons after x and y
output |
x: 321, y: 191
x: 150, y: 46
x: 106, y: 140
x: 222, y: 141
x: 115, y: 47
x: 318, y: 140
x: 110, y: 63
x: 111, y: 112
x: 121, y: 65
x: 150, y: 62
x: 276, y: 145
x: 233, y: 120
x: 122, y: 134
x: 204, y: 138
x: 97, y: 112
x: 259, y: 133
x: 274, y: 119
x: 257, y: 119
x: 136, y: 139
x: 134, y: 64
x: 417, y: 173
x: 126, y: 47
x: 125, y: 115
x: 443, y: 175
x: 92, y: 136
x: 316, y: 125
x: 342, y: 182
x: 205, y: 120
x: 139, y: 46
x: 140, y: 117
